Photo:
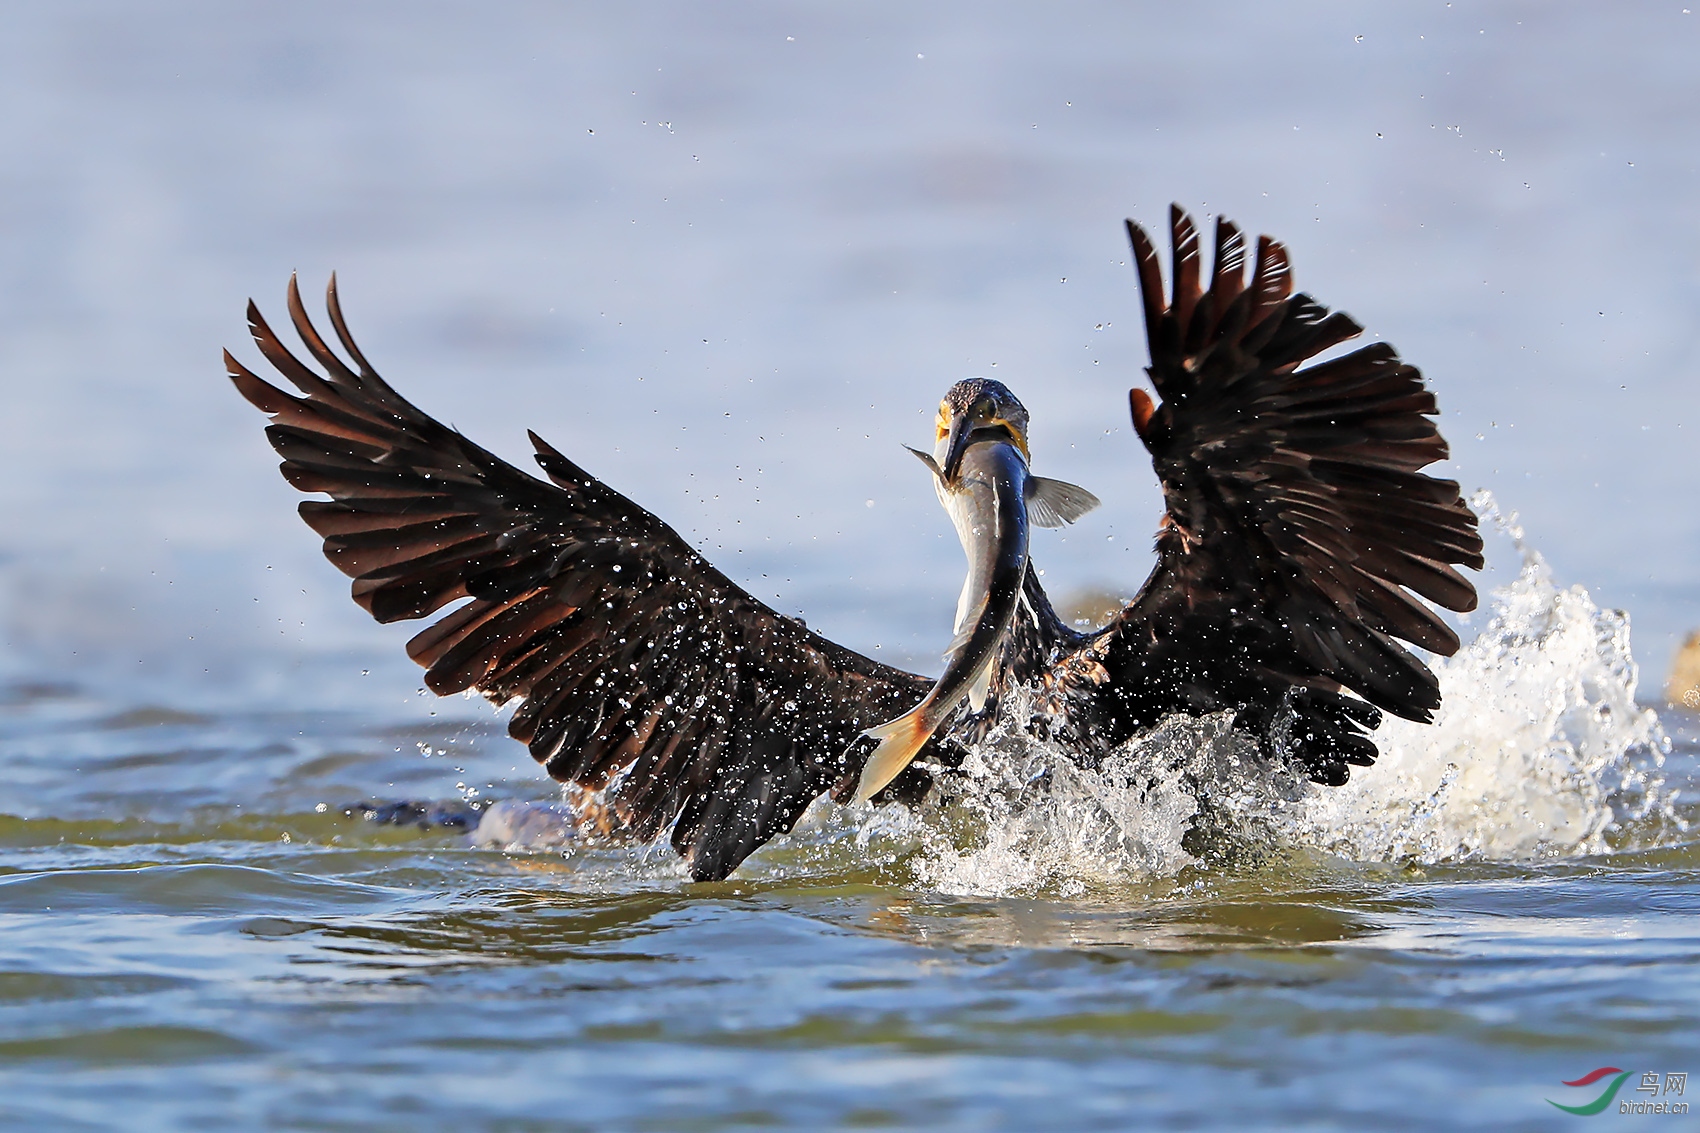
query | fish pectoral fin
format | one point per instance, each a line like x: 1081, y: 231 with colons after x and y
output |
x: 1052, y: 503
x: 927, y: 459
x: 900, y: 741
x: 981, y: 687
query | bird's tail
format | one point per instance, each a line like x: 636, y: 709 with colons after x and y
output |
x: 900, y: 740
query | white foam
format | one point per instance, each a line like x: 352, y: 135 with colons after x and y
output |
x: 1539, y: 748
x: 1539, y: 751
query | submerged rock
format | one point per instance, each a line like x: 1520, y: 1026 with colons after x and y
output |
x: 1091, y: 608
x: 1683, y: 685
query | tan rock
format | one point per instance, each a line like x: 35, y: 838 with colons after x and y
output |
x: 1683, y: 686
x: 1090, y: 609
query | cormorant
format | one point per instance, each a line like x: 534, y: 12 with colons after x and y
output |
x: 1297, y: 526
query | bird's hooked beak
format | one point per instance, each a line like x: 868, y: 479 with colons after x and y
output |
x: 958, y: 426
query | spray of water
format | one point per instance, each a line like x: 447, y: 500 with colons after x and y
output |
x: 1539, y: 748
x: 1539, y: 751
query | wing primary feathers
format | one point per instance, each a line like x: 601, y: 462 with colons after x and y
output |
x: 1271, y: 283
x: 639, y: 669
x: 1299, y: 544
x: 333, y: 305
x: 1150, y: 275
x: 1186, y: 294
x: 1227, y: 278
x: 338, y: 370
x: 1300, y: 536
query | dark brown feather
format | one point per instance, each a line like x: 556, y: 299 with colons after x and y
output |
x: 640, y: 668
x: 1298, y: 521
x: 1300, y: 540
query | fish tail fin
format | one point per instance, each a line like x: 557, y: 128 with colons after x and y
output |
x: 900, y: 740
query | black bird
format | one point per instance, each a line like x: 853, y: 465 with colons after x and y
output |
x: 1297, y: 526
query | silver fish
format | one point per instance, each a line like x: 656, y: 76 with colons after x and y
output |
x: 980, y: 472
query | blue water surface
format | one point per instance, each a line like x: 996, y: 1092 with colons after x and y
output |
x: 728, y: 258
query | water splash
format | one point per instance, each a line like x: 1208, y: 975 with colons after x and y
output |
x: 1539, y: 748
x: 1539, y: 751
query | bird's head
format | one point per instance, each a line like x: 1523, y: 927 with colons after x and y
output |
x: 977, y: 409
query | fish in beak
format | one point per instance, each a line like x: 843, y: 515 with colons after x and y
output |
x: 979, y: 467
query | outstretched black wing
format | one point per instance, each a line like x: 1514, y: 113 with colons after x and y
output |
x: 642, y: 671
x: 1298, y: 522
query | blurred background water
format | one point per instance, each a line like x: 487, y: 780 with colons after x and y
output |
x: 728, y: 257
